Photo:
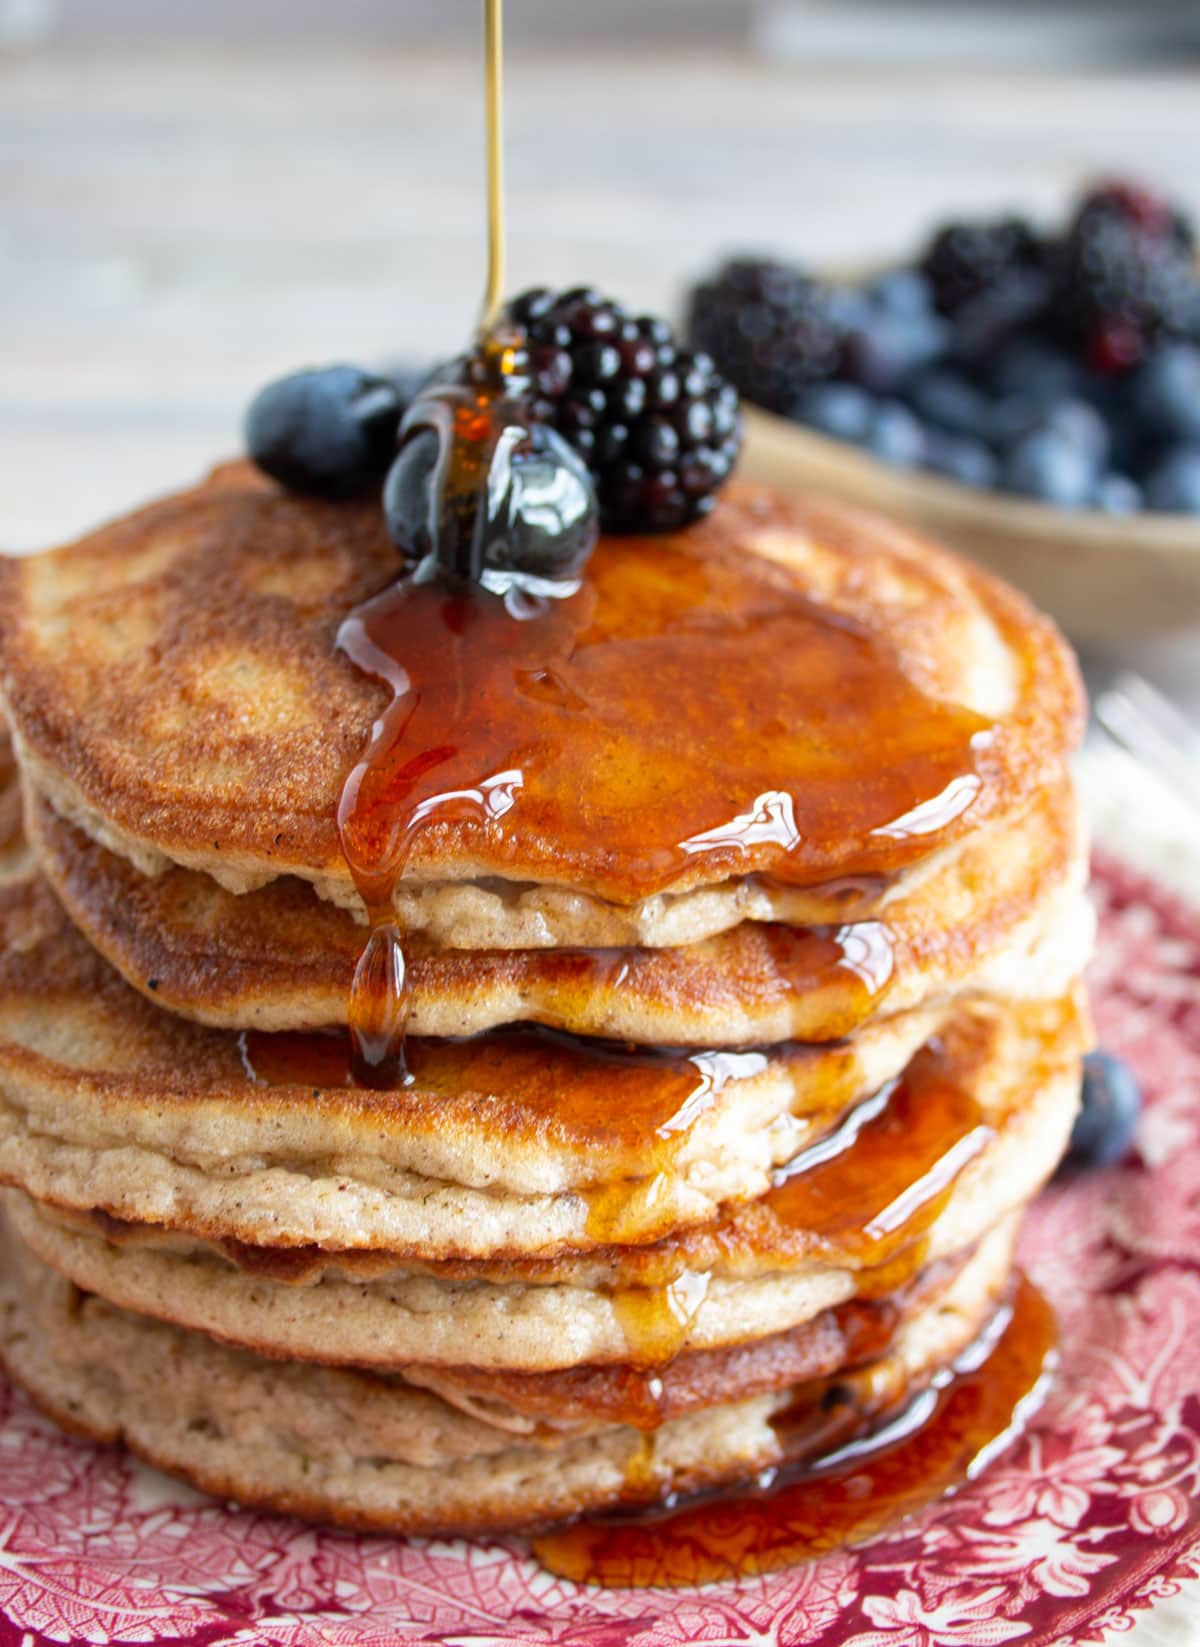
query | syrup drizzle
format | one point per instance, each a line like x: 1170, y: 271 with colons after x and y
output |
x: 477, y: 431
x: 638, y: 1101
x: 399, y: 790
x: 493, y: 91
x: 843, y: 1337
x: 865, y: 1478
x: 865, y: 1195
x: 644, y: 711
x: 883, y: 1176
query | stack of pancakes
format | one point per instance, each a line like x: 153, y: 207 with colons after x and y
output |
x: 683, y: 1186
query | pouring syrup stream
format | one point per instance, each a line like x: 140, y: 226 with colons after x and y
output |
x: 493, y: 77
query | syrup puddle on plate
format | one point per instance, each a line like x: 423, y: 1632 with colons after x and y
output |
x: 942, y: 1439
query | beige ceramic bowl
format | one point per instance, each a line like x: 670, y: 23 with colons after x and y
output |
x: 1101, y: 576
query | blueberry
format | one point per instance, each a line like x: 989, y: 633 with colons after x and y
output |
x: 1082, y: 424
x: 1011, y: 417
x: 839, y: 409
x: 1174, y: 485
x: 1030, y: 366
x: 541, y: 508
x: 1166, y: 392
x: 947, y: 398
x: 1130, y: 448
x: 1023, y: 400
x: 887, y: 348
x: 1117, y: 494
x: 544, y: 520
x: 1048, y: 464
x: 329, y: 431
x: 849, y: 307
x: 960, y: 458
x: 896, y: 435
x: 408, y: 495
x: 900, y: 292
x: 1189, y: 319
x: 1112, y: 1101
x: 1077, y: 420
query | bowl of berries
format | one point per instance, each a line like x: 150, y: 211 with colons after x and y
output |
x: 1031, y: 397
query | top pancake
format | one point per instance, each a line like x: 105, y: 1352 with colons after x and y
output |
x: 174, y: 686
x: 1002, y: 911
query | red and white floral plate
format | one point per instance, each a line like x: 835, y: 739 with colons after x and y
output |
x: 1093, y: 1517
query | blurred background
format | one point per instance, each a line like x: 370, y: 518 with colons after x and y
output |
x: 197, y: 195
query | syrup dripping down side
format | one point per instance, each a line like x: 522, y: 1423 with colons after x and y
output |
x: 444, y: 648
x: 844, y: 1337
x: 865, y: 1195
x: 941, y: 1440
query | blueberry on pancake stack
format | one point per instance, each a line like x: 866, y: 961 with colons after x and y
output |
x: 742, y: 914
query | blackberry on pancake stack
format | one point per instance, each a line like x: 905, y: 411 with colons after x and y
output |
x: 744, y: 1003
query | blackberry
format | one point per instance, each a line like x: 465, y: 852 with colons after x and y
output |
x: 966, y: 261
x: 1142, y: 208
x: 657, y: 426
x: 771, y: 329
x: 1125, y: 276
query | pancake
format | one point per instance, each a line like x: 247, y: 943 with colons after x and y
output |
x: 582, y: 1398
x: 509, y: 1142
x: 739, y: 892
x: 911, y: 1179
x: 174, y: 688
x: 1002, y: 911
x: 188, y: 909
x: 294, y: 1439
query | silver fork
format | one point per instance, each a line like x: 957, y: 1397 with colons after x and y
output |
x: 1153, y: 730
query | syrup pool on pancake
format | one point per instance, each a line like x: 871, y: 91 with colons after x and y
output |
x: 505, y: 720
